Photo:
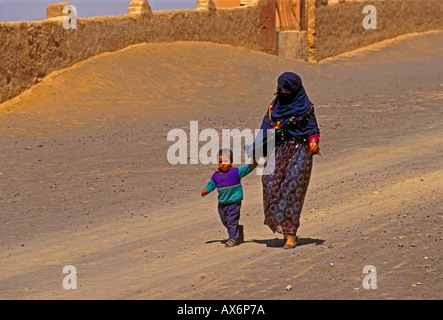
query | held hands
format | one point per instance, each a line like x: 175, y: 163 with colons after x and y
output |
x: 204, y: 192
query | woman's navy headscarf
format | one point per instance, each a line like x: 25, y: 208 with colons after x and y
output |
x: 289, y: 108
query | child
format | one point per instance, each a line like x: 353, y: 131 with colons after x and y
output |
x: 230, y: 194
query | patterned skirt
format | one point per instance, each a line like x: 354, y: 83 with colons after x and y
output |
x: 285, y: 182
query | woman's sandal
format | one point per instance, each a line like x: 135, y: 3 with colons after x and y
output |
x: 290, y: 245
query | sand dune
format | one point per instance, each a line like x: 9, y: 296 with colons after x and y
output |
x: 84, y: 178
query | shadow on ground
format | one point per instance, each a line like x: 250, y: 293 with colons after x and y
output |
x: 276, y: 242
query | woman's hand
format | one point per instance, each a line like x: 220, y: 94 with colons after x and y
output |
x: 313, y: 147
x: 204, y: 192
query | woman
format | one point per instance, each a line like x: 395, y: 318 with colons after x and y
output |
x: 288, y: 168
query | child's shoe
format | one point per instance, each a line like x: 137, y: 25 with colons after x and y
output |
x: 231, y: 243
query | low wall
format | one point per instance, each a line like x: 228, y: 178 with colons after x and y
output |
x: 336, y: 26
x: 339, y: 28
x: 32, y: 50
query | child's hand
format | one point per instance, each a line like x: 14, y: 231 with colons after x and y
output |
x: 204, y: 192
x: 254, y: 163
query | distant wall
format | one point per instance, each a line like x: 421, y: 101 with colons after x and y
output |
x: 337, y: 27
x: 31, y: 50
x: 331, y: 27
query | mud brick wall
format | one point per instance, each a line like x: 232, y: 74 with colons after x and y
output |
x: 337, y: 27
x: 31, y: 50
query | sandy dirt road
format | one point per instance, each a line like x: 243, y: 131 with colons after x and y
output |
x: 85, y: 181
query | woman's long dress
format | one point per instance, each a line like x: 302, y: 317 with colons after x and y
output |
x: 285, y: 182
